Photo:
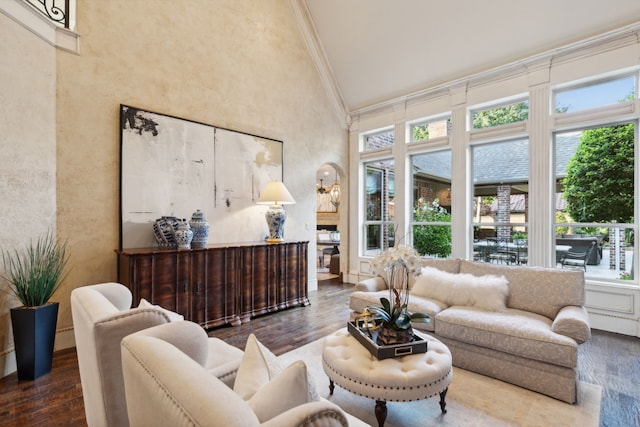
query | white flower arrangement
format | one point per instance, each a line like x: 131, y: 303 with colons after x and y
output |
x: 398, y: 263
x: 401, y: 255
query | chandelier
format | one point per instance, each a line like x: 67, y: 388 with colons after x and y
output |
x: 321, y: 188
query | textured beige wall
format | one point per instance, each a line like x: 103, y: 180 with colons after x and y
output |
x: 239, y: 64
x: 27, y: 150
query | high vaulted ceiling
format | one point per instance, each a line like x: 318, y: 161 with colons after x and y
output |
x: 378, y: 50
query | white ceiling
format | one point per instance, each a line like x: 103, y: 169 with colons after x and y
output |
x: 382, y: 49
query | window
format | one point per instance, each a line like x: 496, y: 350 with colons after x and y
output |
x: 595, y: 95
x: 379, y: 197
x: 501, y: 187
x: 431, y: 229
x: 379, y: 140
x: 494, y: 116
x: 429, y: 129
x: 595, y: 177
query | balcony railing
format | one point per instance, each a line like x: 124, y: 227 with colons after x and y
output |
x: 58, y: 11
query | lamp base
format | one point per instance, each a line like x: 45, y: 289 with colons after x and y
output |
x: 274, y: 240
x: 276, y: 217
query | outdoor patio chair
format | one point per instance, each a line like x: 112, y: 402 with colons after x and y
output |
x: 577, y: 258
x: 500, y: 252
x: 522, y: 250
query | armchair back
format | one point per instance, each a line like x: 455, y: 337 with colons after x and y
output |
x: 101, y: 318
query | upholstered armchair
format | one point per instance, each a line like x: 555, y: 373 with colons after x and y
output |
x: 102, y: 316
x: 166, y: 385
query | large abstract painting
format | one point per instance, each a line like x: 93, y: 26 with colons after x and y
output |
x: 173, y: 167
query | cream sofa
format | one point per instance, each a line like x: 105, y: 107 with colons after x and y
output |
x: 102, y: 316
x: 529, y: 339
x: 166, y: 384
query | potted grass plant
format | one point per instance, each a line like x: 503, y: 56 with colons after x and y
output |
x: 33, y: 274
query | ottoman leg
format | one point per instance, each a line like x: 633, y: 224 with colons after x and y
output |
x: 443, y: 404
x: 331, y: 387
x: 381, y: 412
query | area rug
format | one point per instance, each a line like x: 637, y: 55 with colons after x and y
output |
x: 472, y: 400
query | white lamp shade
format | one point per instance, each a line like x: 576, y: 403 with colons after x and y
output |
x: 275, y: 193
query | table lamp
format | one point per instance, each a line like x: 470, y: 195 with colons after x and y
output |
x: 275, y: 194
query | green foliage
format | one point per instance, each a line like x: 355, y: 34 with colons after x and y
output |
x: 519, y: 236
x: 36, y: 272
x: 561, y: 217
x: 600, y: 180
x: 501, y: 115
x: 397, y: 316
x: 420, y: 132
x: 431, y: 239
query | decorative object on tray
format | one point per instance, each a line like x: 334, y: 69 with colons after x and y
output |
x: 200, y: 228
x: 184, y: 235
x: 395, y: 319
x: 164, y: 230
x: 369, y: 339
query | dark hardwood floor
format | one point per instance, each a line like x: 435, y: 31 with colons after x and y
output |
x: 610, y: 360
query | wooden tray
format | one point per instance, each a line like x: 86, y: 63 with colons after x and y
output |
x: 416, y: 346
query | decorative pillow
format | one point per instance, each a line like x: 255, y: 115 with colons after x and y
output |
x: 173, y: 316
x: 259, y: 366
x: 486, y: 292
x: 290, y: 388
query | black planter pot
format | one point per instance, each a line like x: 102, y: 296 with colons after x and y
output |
x: 34, y: 333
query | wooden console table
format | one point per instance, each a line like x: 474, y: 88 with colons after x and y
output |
x: 219, y: 284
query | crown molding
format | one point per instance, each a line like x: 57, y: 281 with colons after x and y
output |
x: 319, y: 57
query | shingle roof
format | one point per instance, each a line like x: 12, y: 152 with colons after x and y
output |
x: 503, y: 162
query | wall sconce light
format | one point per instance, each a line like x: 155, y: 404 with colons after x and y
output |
x: 275, y: 194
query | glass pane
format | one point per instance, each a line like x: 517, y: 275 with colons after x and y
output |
x: 511, y: 113
x: 595, y: 203
x: 431, y: 180
x: 430, y: 129
x: 379, y: 206
x: 596, y: 95
x: 501, y: 201
x: 432, y: 203
x: 379, y: 140
x: 373, y: 240
x: 379, y: 190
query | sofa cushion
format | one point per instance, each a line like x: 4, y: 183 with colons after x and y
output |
x: 487, y: 292
x: 450, y: 265
x: 515, y: 332
x: 536, y: 289
x: 359, y: 300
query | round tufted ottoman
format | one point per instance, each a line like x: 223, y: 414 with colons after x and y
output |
x: 349, y: 364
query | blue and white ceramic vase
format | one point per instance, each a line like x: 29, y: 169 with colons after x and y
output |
x: 184, y: 235
x: 200, y: 228
x: 164, y: 231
